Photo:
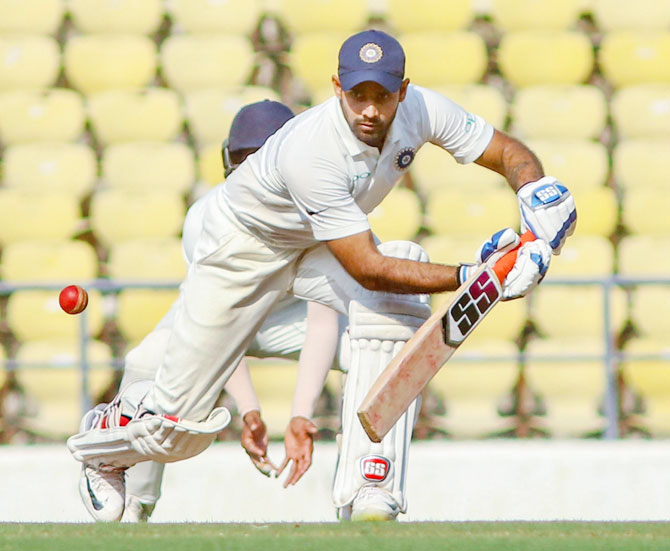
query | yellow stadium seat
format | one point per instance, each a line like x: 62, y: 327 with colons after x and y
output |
x: 474, y: 390
x: 36, y: 315
x: 429, y: 15
x: 274, y: 381
x: 434, y: 169
x: 597, y: 210
x: 649, y: 312
x: 192, y: 62
x: 650, y: 378
x: 642, y: 111
x: 313, y: 58
x: 580, y: 163
x: 33, y: 214
x: 462, y: 212
x: 50, y: 374
x: 621, y: 14
x: 644, y: 211
x: 562, y: 311
x: 641, y: 163
x: 31, y: 16
x: 119, y: 214
x: 210, y: 112
x: 571, y: 390
x: 116, y: 16
x: 28, y: 61
x: 53, y: 115
x: 68, y: 167
x: 147, y: 114
x: 644, y: 255
x: 206, y: 16
x: 149, y: 165
x: 97, y: 62
x: 151, y: 260
x: 630, y: 57
x: 486, y: 101
x: 49, y: 260
x: 583, y: 256
x: 437, y: 59
x: 209, y: 163
x: 559, y: 111
x: 308, y: 16
x: 398, y: 216
x: 530, y: 58
x: 516, y: 15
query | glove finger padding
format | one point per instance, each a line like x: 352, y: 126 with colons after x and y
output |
x: 532, y: 263
x: 492, y: 250
x: 548, y: 210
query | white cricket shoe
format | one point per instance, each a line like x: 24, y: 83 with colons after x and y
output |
x: 136, y: 511
x: 373, y: 503
x: 103, y: 491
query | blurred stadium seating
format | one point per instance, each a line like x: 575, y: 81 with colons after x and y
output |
x: 112, y: 114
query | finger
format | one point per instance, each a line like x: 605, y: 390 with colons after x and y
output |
x: 264, y: 467
x: 280, y: 470
x: 290, y: 478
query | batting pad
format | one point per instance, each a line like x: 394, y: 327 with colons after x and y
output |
x: 151, y: 437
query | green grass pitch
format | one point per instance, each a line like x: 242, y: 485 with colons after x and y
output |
x: 467, y: 536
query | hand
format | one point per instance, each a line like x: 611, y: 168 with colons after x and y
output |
x: 548, y: 210
x: 532, y: 263
x: 254, y: 440
x: 299, y: 444
x: 490, y: 252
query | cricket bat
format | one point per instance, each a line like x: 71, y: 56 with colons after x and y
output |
x: 432, y: 345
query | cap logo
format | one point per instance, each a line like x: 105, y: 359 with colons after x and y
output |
x: 404, y: 158
x: 371, y: 53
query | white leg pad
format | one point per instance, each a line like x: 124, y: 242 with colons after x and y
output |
x: 379, y: 326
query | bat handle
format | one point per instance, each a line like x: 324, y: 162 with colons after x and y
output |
x: 506, y: 263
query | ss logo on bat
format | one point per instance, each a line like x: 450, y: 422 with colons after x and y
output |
x: 470, y: 307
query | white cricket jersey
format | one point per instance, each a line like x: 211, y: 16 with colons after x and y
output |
x: 313, y: 180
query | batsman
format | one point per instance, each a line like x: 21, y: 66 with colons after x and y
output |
x: 293, y: 219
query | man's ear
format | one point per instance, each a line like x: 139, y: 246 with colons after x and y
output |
x: 337, y: 87
x: 403, y: 89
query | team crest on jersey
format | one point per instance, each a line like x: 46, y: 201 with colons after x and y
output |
x: 371, y: 53
x: 375, y: 468
x: 404, y: 158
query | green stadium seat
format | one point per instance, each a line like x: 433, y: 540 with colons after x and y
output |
x: 42, y: 215
x: 98, y: 62
x: 534, y: 57
x: 641, y: 163
x: 642, y: 111
x: 118, y: 214
x: 648, y: 312
x: 559, y: 111
x: 209, y: 165
x: 305, y: 16
x: 205, y: 16
x: 50, y: 115
x: 583, y: 256
x: 28, y: 61
x: 571, y: 390
x: 597, y: 210
x: 193, y: 62
x: 274, y: 382
x: 644, y: 211
x: 31, y: 16
x: 581, y: 163
x: 146, y: 114
x: 116, y: 16
x: 612, y: 15
x: 313, y: 58
x: 484, y: 100
x: 149, y: 165
x: 68, y: 167
x: 629, y: 57
x: 517, y: 15
x: 428, y: 15
x: 644, y: 255
x: 398, y: 216
x: 457, y: 57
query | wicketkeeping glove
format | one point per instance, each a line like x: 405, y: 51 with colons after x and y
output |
x: 548, y: 210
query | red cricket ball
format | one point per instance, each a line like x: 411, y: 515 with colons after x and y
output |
x: 73, y: 299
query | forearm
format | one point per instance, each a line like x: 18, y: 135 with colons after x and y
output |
x: 316, y: 358
x: 240, y: 387
x: 395, y: 275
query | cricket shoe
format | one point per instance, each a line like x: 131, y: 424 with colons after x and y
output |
x: 373, y: 503
x: 136, y: 511
x: 103, y: 491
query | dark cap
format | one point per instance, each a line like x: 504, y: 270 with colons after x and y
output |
x: 255, y: 123
x: 371, y: 56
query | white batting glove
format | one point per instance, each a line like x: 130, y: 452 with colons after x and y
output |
x: 548, y: 210
x: 490, y: 252
x: 532, y: 263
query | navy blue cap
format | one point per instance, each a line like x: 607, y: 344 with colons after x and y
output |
x: 255, y: 123
x: 371, y: 56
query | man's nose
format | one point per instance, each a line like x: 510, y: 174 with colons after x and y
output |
x: 371, y: 111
